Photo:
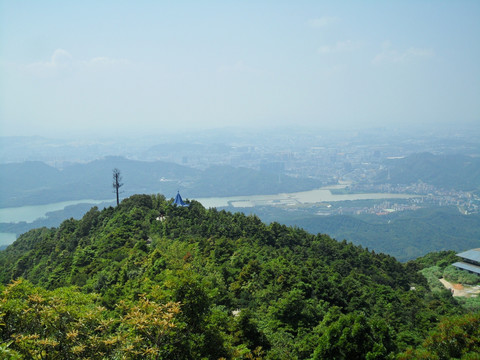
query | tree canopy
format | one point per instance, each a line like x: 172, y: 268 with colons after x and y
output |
x: 195, y: 283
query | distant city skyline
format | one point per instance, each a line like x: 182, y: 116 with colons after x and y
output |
x: 121, y: 68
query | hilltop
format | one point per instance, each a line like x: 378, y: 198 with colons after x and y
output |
x: 221, y: 284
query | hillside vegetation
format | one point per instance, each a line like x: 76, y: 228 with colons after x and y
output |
x: 211, y: 284
x: 405, y: 235
x: 458, y: 172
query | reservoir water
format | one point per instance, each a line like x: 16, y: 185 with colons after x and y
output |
x: 322, y: 195
x: 32, y: 212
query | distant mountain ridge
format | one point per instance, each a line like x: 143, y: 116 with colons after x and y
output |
x: 33, y: 183
x: 459, y: 172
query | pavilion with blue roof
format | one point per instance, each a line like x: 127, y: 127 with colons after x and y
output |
x: 178, y: 200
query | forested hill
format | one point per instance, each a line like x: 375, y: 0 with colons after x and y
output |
x: 405, y: 235
x: 155, y: 281
x: 458, y: 172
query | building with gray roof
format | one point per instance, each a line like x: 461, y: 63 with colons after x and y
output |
x: 470, y: 261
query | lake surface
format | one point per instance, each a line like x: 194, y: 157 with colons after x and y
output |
x: 299, y: 198
x: 33, y: 212
x: 322, y: 195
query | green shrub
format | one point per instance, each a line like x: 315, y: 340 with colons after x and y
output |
x: 453, y: 274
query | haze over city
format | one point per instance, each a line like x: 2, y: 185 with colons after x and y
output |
x: 240, y: 180
x: 121, y: 68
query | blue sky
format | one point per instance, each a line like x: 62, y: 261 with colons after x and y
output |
x: 143, y: 67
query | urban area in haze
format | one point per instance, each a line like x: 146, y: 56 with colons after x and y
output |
x: 261, y: 180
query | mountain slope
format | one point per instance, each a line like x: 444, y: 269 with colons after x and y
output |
x: 404, y: 235
x: 274, y: 291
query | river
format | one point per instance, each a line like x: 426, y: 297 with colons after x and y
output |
x: 299, y: 198
x: 322, y: 195
x: 33, y: 212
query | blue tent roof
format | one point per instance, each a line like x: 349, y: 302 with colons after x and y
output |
x: 178, y: 200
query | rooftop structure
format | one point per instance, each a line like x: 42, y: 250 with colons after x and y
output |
x: 471, y: 261
x: 178, y: 200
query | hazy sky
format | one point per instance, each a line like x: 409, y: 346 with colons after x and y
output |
x: 121, y: 67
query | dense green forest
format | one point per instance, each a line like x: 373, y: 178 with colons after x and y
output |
x: 151, y: 280
x: 404, y: 235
